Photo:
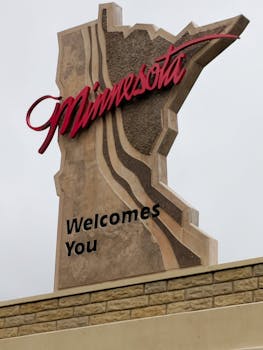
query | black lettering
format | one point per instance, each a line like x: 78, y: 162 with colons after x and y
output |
x: 87, y: 224
x: 129, y: 214
x: 155, y: 211
x: 116, y: 220
x: 145, y: 213
x: 74, y: 225
x: 103, y: 224
x: 81, y: 250
x: 70, y: 246
x: 89, y: 249
x: 96, y: 221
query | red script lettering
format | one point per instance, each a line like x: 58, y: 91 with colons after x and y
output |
x: 76, y: 113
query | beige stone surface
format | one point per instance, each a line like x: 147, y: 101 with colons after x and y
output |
x: 38, y: 306
x: 258, y: 295
x: 2, y: 321
x: 166, y: 297
x: 228, y: 275
x: 123, y: 284
x: 155, y: 287
x: 260, y: 282
x: 233, y: 299
x: 119, y: 162
x: 73, y: 322
x: 190, y: 305
x: 75, y: 300
x: 148, y: 311
x: 258, y: 270
x: 195, y: 292
x: 9, y: 311
x: 222, y: 288
x: 119, y: 293
x: 110, y: 317
x: 8, y: 332
x: 37, y: 328
x: 218, y: 329
x: 208, y: 290
x: 13, y: 321
x: 245, y: 284
x: 54, y: 314
x: 186, y: 282
x: 90, y: 309
x: 128, y: 303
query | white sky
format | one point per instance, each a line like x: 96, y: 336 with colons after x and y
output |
x: 215, y: 163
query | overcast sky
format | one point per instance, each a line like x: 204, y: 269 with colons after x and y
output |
x: 216, y: 163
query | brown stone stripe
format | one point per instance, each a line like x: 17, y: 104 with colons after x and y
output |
x: 101, y: 78
x: 143, y: 173
x: 183, y: 254
x: 144, y: 50
x: 135, y: 165
x: 137, y: 48
x: 132, y: 51
x: 90, y: 38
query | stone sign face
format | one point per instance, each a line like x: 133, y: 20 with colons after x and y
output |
x: 121, y: 89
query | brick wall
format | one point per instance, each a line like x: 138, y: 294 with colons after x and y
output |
x: 171, y: 292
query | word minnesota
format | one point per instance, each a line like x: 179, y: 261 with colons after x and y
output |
x: 74, y: 114
x: 75, y: 226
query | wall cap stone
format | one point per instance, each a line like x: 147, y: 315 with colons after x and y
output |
x: 135, y: 280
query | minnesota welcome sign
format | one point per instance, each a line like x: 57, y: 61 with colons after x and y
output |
x: 121, y: 88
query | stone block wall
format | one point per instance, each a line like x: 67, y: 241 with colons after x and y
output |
x: 147, y: 296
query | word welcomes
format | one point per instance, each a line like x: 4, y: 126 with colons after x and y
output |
x: 74, y: 114
x: 75, y: 226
